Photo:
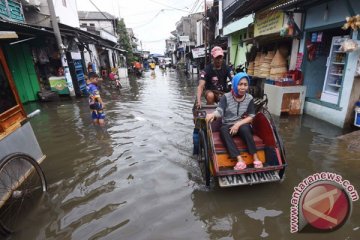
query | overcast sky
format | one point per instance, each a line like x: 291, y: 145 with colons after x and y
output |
x: 151, y: 20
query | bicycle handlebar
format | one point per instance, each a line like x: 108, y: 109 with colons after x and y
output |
x: 34, y: 113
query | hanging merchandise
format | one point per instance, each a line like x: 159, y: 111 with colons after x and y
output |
x: 42, y: 56
x: 352, y: 22
x: 349, y: 45
x: 319, y: 37
x: 314, y: 37
x: 311, y: 51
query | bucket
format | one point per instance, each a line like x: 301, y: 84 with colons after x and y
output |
x: 196, y: 141
x: 357, y: 114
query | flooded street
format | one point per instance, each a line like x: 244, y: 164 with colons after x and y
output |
x: 138, y: 179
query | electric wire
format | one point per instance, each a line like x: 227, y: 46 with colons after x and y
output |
x: 194, y: 6
x: 179, y: 9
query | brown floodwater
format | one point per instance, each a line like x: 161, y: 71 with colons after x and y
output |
x: 137, y: 178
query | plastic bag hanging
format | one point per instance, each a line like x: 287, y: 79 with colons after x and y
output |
x: 349, y: 45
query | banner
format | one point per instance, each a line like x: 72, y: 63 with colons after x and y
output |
x: 184, y: 38
x: 198, y: 52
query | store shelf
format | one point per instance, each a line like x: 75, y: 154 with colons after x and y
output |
x: 335, y: 71
x: 334, y: 85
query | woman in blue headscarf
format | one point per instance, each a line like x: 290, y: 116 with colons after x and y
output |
x: 237, y: 110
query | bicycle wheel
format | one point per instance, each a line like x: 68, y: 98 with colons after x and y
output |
x: 203, y: 158
x: 22, y: 182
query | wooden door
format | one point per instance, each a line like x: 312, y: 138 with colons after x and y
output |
x: 11, y: 109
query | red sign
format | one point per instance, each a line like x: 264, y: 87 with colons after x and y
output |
x: 299, y: 61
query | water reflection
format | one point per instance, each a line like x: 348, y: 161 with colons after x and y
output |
x: 260, y: 214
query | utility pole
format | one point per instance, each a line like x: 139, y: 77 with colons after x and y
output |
x: 61, y: 47
x: 205, y: 37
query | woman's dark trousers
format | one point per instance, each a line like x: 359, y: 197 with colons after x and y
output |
x: 245, y: 132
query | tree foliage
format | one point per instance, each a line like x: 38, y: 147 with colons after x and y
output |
x: 124, y: 40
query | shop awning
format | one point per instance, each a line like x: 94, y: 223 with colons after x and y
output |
x: 8, y: 34
x: 241, y: 8
x: 290, y: 4
x: 90, y: 38
x: 23, y: 29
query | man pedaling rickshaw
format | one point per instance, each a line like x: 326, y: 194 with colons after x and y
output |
x: 214, y: 79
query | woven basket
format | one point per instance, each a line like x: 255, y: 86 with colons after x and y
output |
x: 284, y: 51
x: 279, y: 70
x: 278, y: 60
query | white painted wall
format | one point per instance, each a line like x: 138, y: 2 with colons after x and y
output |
x: 94, y: 58
x: 100, y: 25
x: 67, y: 15
x: 199, y: 33
x: 110, y: 54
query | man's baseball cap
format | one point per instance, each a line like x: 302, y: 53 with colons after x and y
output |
x: 217, y: 51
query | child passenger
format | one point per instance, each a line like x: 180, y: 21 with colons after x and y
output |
x: 95, y: 102
x: 237, y: 109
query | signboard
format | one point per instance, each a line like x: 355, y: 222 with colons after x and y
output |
x: 59, y: 84
x: 249, y: 178
x: 184, y: 38
x: 268, y: 22
x: 299, y: 60
x: 198, y: 52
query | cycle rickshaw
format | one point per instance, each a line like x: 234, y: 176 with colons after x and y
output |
x: 21, y: 177
x: 214, y: 161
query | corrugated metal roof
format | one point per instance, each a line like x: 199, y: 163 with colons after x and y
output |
x: 85, y: 15
x: 23, y: 28
x: 242, y: 8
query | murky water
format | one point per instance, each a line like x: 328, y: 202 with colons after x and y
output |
x: 137, y: 179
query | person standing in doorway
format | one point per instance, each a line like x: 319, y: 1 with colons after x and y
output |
x: 214, y: 79
x: 95, y: 102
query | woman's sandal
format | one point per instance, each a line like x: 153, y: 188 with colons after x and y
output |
x: 240, y: 165
x: 257, y: 164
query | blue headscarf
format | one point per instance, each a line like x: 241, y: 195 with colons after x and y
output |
x: 235, y: 82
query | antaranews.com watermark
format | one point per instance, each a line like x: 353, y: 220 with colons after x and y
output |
x: 322, y: 201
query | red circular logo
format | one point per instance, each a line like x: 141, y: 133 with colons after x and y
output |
x: 325, y: 206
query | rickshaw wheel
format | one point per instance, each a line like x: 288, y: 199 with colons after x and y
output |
x: 22, y: 183
x: 203, y: 158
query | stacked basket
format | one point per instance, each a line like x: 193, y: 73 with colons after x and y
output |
x: 265, y: 65
x: 278, y: 66
x: 250, y: 69
x: 257, y: 64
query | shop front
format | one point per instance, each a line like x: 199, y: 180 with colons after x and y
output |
x: 237, y: 33
x: 329, y: 68
x: 272, y: 60
x: 19, y: 57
